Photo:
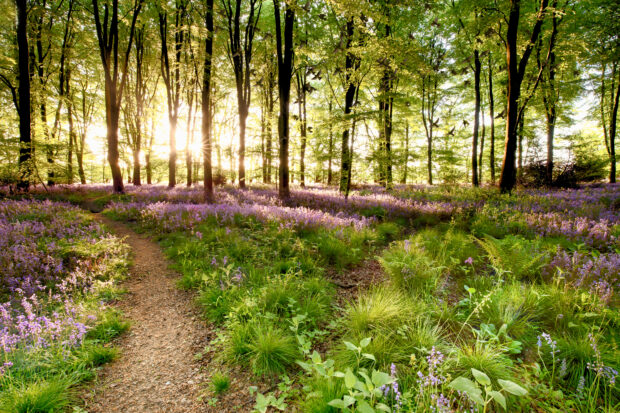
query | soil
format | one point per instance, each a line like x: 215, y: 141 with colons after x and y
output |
x: 157, y: 370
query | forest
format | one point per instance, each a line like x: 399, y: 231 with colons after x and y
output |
x: 309, y: 206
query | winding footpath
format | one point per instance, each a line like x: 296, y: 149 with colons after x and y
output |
x: 156, y: 370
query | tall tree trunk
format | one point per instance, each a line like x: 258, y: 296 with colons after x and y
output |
x: 240, y: 55
x: 301, y: 96
x: 207, y: 144
x: 352, y: 63
x: 480, y: 158
x: 474, y: 155
x: 492, y: 115
x: 25, y: 140
x: 188, y: 140
x: 172, y: 79
x: 612, y: 136
x: 285, y: 73
x: 108, y: 39
x: 520, y: 148
x: 550, y: 98
x: 268, y: 145
x: 147, y: 155
x: 72, y: 135
x: 516, y: 72
x: 330, y: 149
x: 406, y: 155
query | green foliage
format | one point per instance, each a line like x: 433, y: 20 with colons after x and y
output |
x: 513, y: 254
x: 111, y: 325
x: 220, y: 382
x: 41, y: 396
x: 271, y: 350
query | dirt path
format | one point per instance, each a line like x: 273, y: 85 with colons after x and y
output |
x: 156, y: 371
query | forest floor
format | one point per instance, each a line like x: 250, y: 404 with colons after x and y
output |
x: 157, y: 370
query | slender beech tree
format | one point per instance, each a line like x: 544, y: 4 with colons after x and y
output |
x: 516, y: 74
x: 474, y: 155
x: 285, y: 53
x: 240, y: 54
x: 352, y: 64
x: 171, y: 74
x: 207, y: 144
x: 115, y: 73
x: 492, y: 126
x: 26, y: 148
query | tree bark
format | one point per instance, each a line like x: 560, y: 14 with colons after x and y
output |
x: 330, y: 149
x: 303, y: 127
x: 516, y: 73
x: 108, y: 38
x: 406, y: 155
x: 612, y: 136
x: 25, y: 140
x: 285, y: 73
x: 172, y: 79
x: 474, y: 156
x: 352, y: 63
x: 241, y: 57
x: 492, y: 115
x: 206, y: 105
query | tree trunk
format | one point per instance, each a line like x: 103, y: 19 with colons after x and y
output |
x: 188, y: 141
x: 301, y: 96
x: 480, y: 158
x: 406, y: 156
x: 492, y: 115
x: 351, y: 65
x: 285, y: 73
x: 72, y: 135
x: 516, y: 72
x: 25, y: 139
x: 474, y: 156
x: 207, y: 145
x: 612, y: 137
x: 330, y: 150
x: 108, y: 39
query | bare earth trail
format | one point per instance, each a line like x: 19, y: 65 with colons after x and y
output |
x: 156, y: 370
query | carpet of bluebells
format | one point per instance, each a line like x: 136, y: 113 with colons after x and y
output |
x: 487, y: 302
x: 56, y: 264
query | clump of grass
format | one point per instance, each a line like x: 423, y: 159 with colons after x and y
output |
x: 111, y: 325
x: 380, y: 309
x: 491, y: 361
x: 220, y: 382
x: 238, y: 342
x: 98, y: 355
x: 516, y: 306
x: 410, y: 268
x: 271, y: 350
x: 42, y: 396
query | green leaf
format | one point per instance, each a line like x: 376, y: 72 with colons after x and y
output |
x: 369, y: 356
x: 365, y: 342
x: 381, y: 379
x: 316, y: 357
x: 338, y: 404
x: 498, y: 397
x: 465, y: 385
x: 481, y: 377
x: 364, y: 407
x: 351, y: 346
x: 512, y: 388
x: 348, y: 400
x: 350, y: 379
x: 384, y: 408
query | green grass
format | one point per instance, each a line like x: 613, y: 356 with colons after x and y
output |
x: 271, y: 350
x: 220, y: 382
x: 41, y: 396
